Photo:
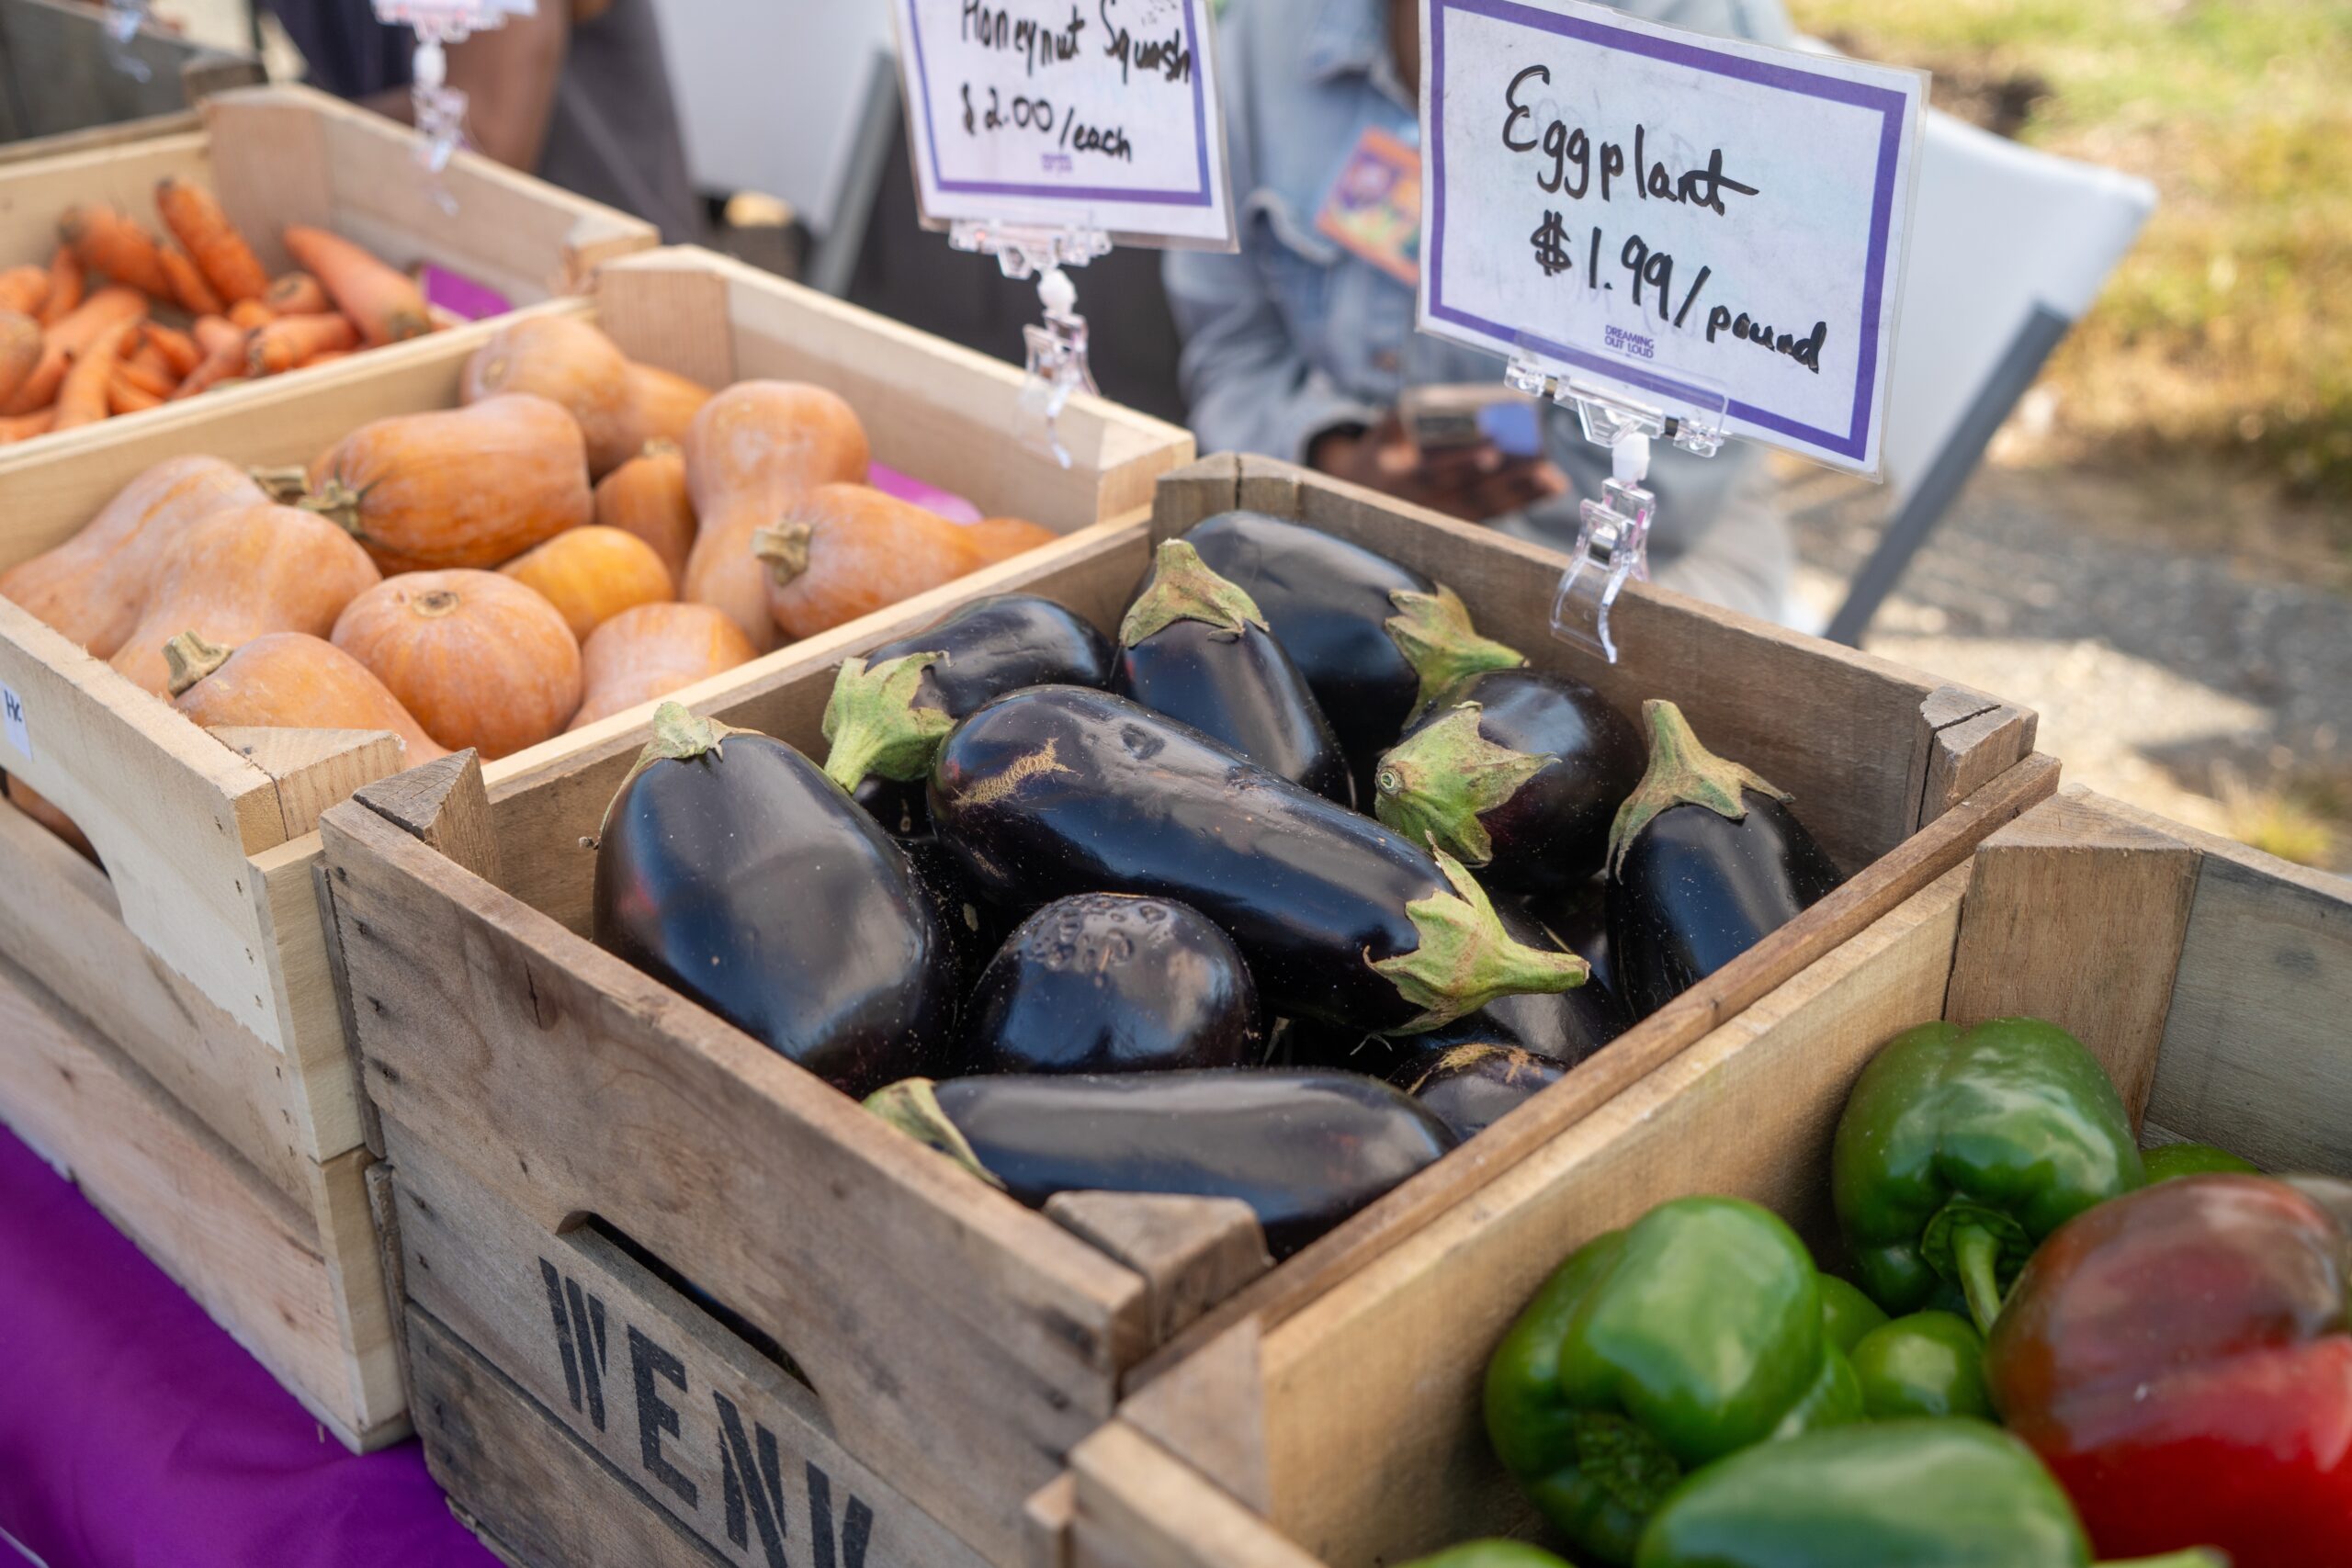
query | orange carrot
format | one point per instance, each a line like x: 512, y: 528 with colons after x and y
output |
x: 20, y: 347
x: 126, y: 396
x: 324, y: 356
x: 66, y: 285
x: 39, y: 389
x: 189, y: 288
x: 381, y: 300
x: 297, y: 294
x: 178, y: 349
x: 214, y: 334
x: 107, y: 309
x: 22, y: 289
x: 251, y: 314
x: 157, y: 385
x: 25, y: 426
x: 224, y: 358
x: 109, y: 240
x: 195, y: 218
x: 289, y: 340
x: 83, y: 397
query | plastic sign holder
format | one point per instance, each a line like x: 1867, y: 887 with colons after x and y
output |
x: 123, y: 20
x: 441, y: 108
x: 1057, y: 365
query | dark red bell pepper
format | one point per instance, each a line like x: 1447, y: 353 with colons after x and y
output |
x: 2180, y: 1358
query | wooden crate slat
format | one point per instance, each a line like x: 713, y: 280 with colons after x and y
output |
x: 33, y: 195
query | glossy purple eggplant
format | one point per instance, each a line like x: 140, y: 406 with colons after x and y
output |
x: 1472, y: 1085
x: 1579, y: 917
x: 1113, y: 983
x: 1706, y: 859
x: 1517, y: 774
x: 1194, y: 647
x: 731, y: 869
x: 890, y: 709
x: 1374, y: 639
x: 1304, y: 1150
x: 1058, y: 790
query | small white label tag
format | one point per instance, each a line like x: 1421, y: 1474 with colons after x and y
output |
x: 13, y: 725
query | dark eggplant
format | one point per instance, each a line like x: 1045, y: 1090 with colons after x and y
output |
x: 1194, y: 648
x: 1705, y: 860
x: 1517, y: 774
x: 730, y: 868
x: 890, y: 709
x: 1304, y: 1150
x: 1112, y: 983
x: 1058, y: 790
x: 1579, y: 917
x: 1374, y: 639
x: 976, y: 928
x: 1473, y: 1086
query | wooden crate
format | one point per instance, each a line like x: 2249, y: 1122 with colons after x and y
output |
x: 276, y: 155
x: 555, y: 1119
x: 2213, y: 981
x: 198, y: 968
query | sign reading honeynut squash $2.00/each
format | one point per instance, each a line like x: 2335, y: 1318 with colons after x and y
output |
x: 1714, y: 227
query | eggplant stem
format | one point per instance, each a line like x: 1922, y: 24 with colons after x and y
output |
x: 911, y: 1105
x: 678, y: 736
x: 1681, y: 773
x: 875, y: 726
x: 190, y: 659
x: 1976, y: 1255
x: 1185, y: 588
x: 1437, y: 784
x: 1466, y: 959
x: 1434, y: 634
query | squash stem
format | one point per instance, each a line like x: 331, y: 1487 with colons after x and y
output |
x: 1681, y: 773
x: 190, y: 659
x: 784, y: 548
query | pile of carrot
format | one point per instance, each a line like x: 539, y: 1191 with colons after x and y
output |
x: 123, y: 320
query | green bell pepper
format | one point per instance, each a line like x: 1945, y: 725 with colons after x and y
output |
x: 1846, y: 1314
x: 1930, y: 1363
x: 1491, y: 1554
x: 1959, y: 1149
x: 1916, y: 1493
x: 1652, y: 1350
x: 2168, y: 1160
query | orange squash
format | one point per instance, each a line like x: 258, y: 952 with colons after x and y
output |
x: 470, y: 487
x: 233, y: 575
x: 480, y: 660
x: 844, y: 551
x: 573, y: 366
x: 94, y: 585
x: 592, y: 574
x: 663, y: 403
x: 646, y: 496
x: 1001, y: 538
x: 653, y: 650
x: 287, y: 680
x: 37, y: 806
x: 750, y: 453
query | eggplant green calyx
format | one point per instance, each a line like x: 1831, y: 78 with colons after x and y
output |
x: 679, y: 736
x: 1434, y: 634
x: 1183, y: 589
x: 1681, y: 773
x: 1466, y: 959
x: 1436, y: 785
x: 911, y: 1105
x: 190, y: 659
x: 1979, y: 1247
x: 875, y: 725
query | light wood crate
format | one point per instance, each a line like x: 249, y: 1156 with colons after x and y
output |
x: 555, y: 1118
x: 284, y: 154
x: 198, y: 967
x: 2213, y: 981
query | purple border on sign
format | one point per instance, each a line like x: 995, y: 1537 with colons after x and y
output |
x: 1199, y: 198
x: 1855, y: 442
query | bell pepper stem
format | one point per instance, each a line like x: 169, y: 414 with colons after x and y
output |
x: 1977, y: 1253
x: 2195, y: 1557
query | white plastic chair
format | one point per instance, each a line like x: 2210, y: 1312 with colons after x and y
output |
x: 2009, y: 247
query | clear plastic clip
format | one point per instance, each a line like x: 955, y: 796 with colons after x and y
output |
x: 1057, y: 363
x: 123, y: 20
x: 440, y: 109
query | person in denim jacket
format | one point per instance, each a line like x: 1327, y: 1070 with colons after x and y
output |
x: 1299, y: 347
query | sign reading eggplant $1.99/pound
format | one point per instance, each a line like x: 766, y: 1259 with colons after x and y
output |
x: 1079, y: 114
x: 1692, y: 218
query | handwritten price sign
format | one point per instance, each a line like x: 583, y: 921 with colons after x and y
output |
x: 1084, y: 114
x: 1685, y: 216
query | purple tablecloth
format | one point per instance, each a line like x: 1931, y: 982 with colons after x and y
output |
x: 135, y: 1434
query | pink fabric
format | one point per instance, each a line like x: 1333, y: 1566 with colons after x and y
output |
x: 135, y: 1434
x: 890, y: 482
x: 460, y: 295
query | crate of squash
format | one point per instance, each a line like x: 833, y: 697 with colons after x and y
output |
x: 509, y: 538
x: 291, y: 233
x: 1224, y: 889
x: 1990, y: 1161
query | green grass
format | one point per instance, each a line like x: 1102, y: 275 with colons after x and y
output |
x: 2229, y: 329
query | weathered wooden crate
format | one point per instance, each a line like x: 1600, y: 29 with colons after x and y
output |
x: 2212, y: 980
x: 566, y: 1134
x: 284, y: 154
x: 61, y: 90
x: 197, y: 966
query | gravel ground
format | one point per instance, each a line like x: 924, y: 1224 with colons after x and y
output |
x: 2167, y: 675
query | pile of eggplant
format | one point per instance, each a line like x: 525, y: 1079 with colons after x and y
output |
x: 1278, y: 898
